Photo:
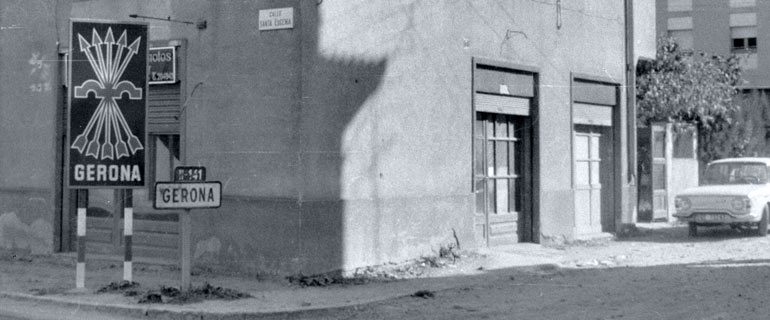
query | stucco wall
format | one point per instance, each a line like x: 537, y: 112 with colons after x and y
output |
x: 28, y: 82
x: 346, y: 140
x: 645, y: 36
x: 410, y: 139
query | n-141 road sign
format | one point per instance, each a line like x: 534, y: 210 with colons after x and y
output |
x: 188, y: 195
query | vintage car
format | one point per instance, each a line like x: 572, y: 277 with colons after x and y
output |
x: 734, y: 192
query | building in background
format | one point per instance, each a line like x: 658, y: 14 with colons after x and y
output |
x: 345, y: 133
x: 668, y: 161
x: 724, y: 28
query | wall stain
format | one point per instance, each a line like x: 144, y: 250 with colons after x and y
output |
x: 36, y: 238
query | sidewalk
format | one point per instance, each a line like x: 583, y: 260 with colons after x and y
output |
x: 51, y: 280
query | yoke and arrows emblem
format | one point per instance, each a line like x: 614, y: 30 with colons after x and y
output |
x: 107, y: 130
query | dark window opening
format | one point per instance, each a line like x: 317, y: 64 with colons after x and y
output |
x: 744, y: 44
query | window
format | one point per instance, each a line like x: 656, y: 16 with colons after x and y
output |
x: 744, y: 45
x: 679, y: 5
x: 683, y: 38
x: 744, y: 39
x: 587, y: 159
x: 736, y: 173
x: 681, y: 30
x: 684, y: 144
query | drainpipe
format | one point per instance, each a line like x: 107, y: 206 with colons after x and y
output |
x: 630, y: 216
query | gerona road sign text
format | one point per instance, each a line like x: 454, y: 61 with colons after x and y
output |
x: 188, y: 195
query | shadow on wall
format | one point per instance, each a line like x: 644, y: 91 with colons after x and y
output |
x: 306, y: 232
x: 334, y: 95
x: 333, y: 110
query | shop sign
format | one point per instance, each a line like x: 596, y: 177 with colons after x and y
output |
x: 274, y: 19
x: 107, y: 105
x: 187, y: 195
x: 162, y: 63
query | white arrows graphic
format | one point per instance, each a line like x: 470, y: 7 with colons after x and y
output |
x: 107, y: 127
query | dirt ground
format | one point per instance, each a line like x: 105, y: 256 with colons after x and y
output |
x: 659, y: 273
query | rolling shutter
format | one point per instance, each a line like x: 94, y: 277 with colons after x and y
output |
x: 594, y: 115
x: 502, y: 104
x: 163, y: 104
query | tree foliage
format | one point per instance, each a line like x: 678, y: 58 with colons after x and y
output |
x: 687, y: 87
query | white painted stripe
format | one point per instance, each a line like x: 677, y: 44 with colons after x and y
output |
x: 679, y: 5
x: 128, y: 221
x: 127, y: 270
x: 743, y: 19
x: 681, y: 23
x: 743, y: 32
x: 80, y: 275
x: 742, y: 3
x: 81, y: 222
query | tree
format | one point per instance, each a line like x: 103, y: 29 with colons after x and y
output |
x: 686, y: 87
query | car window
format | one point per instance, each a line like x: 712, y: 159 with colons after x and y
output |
x: 736, y: 173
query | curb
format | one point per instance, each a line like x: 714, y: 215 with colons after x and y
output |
x: 154, y: 313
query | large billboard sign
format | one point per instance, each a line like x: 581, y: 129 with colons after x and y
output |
x: 107, y: 105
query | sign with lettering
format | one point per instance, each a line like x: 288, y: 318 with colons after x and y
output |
x: 273, y: 19
x: 188, y: 195
x: 162, y: 63
x: 107, y: 105
x: 190, y: 174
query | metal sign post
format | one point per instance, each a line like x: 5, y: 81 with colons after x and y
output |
x: 189, y: 190
x: 186, y: 247
x: 80, y: 269
x: 107, y: 117
x: 128, y: 231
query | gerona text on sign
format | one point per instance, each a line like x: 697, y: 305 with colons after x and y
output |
x: 187, y: 195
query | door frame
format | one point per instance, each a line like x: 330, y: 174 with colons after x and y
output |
x: 532, y: 198
x: 617, y: 146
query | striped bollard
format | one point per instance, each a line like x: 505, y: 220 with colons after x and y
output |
x: 80, y: 269
x: 128, y: 231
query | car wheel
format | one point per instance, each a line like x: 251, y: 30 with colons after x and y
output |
x: 762, y: 228
x: 692, y: 229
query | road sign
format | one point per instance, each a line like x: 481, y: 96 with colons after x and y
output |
x: 190, y: 174
x: 188, y: 195
x: 107, y: 105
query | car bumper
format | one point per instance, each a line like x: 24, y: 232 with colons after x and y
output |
x: 716, y: 217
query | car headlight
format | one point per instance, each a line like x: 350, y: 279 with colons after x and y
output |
x: 682, y: 203
x: 741, y: 204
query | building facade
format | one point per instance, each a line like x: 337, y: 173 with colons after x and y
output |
x: 727, y: 28
x: 352, y: 134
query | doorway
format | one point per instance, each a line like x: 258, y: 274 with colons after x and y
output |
x: 503, y: 179
x: 594, y: 179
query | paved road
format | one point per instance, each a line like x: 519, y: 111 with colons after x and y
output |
x: 661, y: 274
x: 664, y: 274
x: 11, y: 309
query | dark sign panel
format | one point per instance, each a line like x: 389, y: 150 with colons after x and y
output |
x: 162, y: 65
x: 107, y: 105
x: 190, y: 174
